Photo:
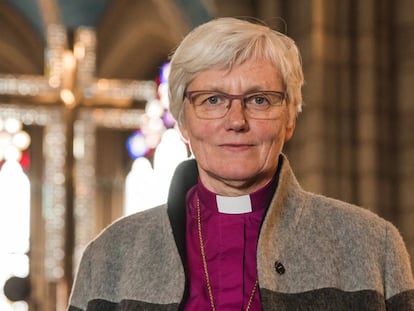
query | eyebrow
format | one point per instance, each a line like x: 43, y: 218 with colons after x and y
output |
x: 251, y: 89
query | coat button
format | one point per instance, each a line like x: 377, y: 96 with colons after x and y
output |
x: 279, y: 267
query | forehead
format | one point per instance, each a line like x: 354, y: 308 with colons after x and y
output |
x: 251, y: 75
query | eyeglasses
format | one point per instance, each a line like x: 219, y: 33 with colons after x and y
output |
x: 215, y: 104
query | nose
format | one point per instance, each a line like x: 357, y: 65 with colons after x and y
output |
x: 236, y: 116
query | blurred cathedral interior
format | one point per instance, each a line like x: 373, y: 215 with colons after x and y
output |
x: 86, y: 136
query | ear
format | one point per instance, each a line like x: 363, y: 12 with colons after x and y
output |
x: 290, y: 122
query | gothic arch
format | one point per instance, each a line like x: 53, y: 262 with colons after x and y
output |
x: 135, y: 37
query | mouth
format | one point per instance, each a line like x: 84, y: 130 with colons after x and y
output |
x: 236, y: 147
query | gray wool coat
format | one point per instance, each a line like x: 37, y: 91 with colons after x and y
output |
x: 314, y: 253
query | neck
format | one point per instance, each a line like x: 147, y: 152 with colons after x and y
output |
x: 233, y: 188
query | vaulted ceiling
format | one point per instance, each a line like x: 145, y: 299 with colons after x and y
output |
x: 134, y: 37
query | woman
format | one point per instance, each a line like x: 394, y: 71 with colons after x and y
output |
x: 238, y: 232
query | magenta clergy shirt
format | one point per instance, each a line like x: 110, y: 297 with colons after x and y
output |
x: 230, y: 242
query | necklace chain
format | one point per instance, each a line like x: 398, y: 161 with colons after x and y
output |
x: 203, y: 257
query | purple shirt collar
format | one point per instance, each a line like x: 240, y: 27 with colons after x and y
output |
x: 259, y: 199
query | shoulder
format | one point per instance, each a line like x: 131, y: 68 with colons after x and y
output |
x: 342, y: 213
x: 329, y: 204
x: 123, y: 231
x: 355, y: 234
x: 136, y: 222
x: 349, y: 221
x: 369, y: 241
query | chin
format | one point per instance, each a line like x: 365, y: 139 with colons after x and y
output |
x: 238, y: 175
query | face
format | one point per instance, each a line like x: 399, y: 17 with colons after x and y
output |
x: 236, y: 154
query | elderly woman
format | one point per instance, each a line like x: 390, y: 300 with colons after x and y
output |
x: 238, y: 232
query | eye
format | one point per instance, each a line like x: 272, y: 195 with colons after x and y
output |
x: 213, y: 99
x: 257, y: 100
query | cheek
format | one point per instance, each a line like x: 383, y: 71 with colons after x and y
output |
x: 184, y: 132
x: 286, y: 126
x: 290, y: 123
x: 273, y: 138
x: 196, y: 134
x: 275, y: 143
x: 273, y: 132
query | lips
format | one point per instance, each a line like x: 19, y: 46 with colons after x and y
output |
x: 236, y: 146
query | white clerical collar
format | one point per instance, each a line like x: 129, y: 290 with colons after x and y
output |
x: 234, y: 205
